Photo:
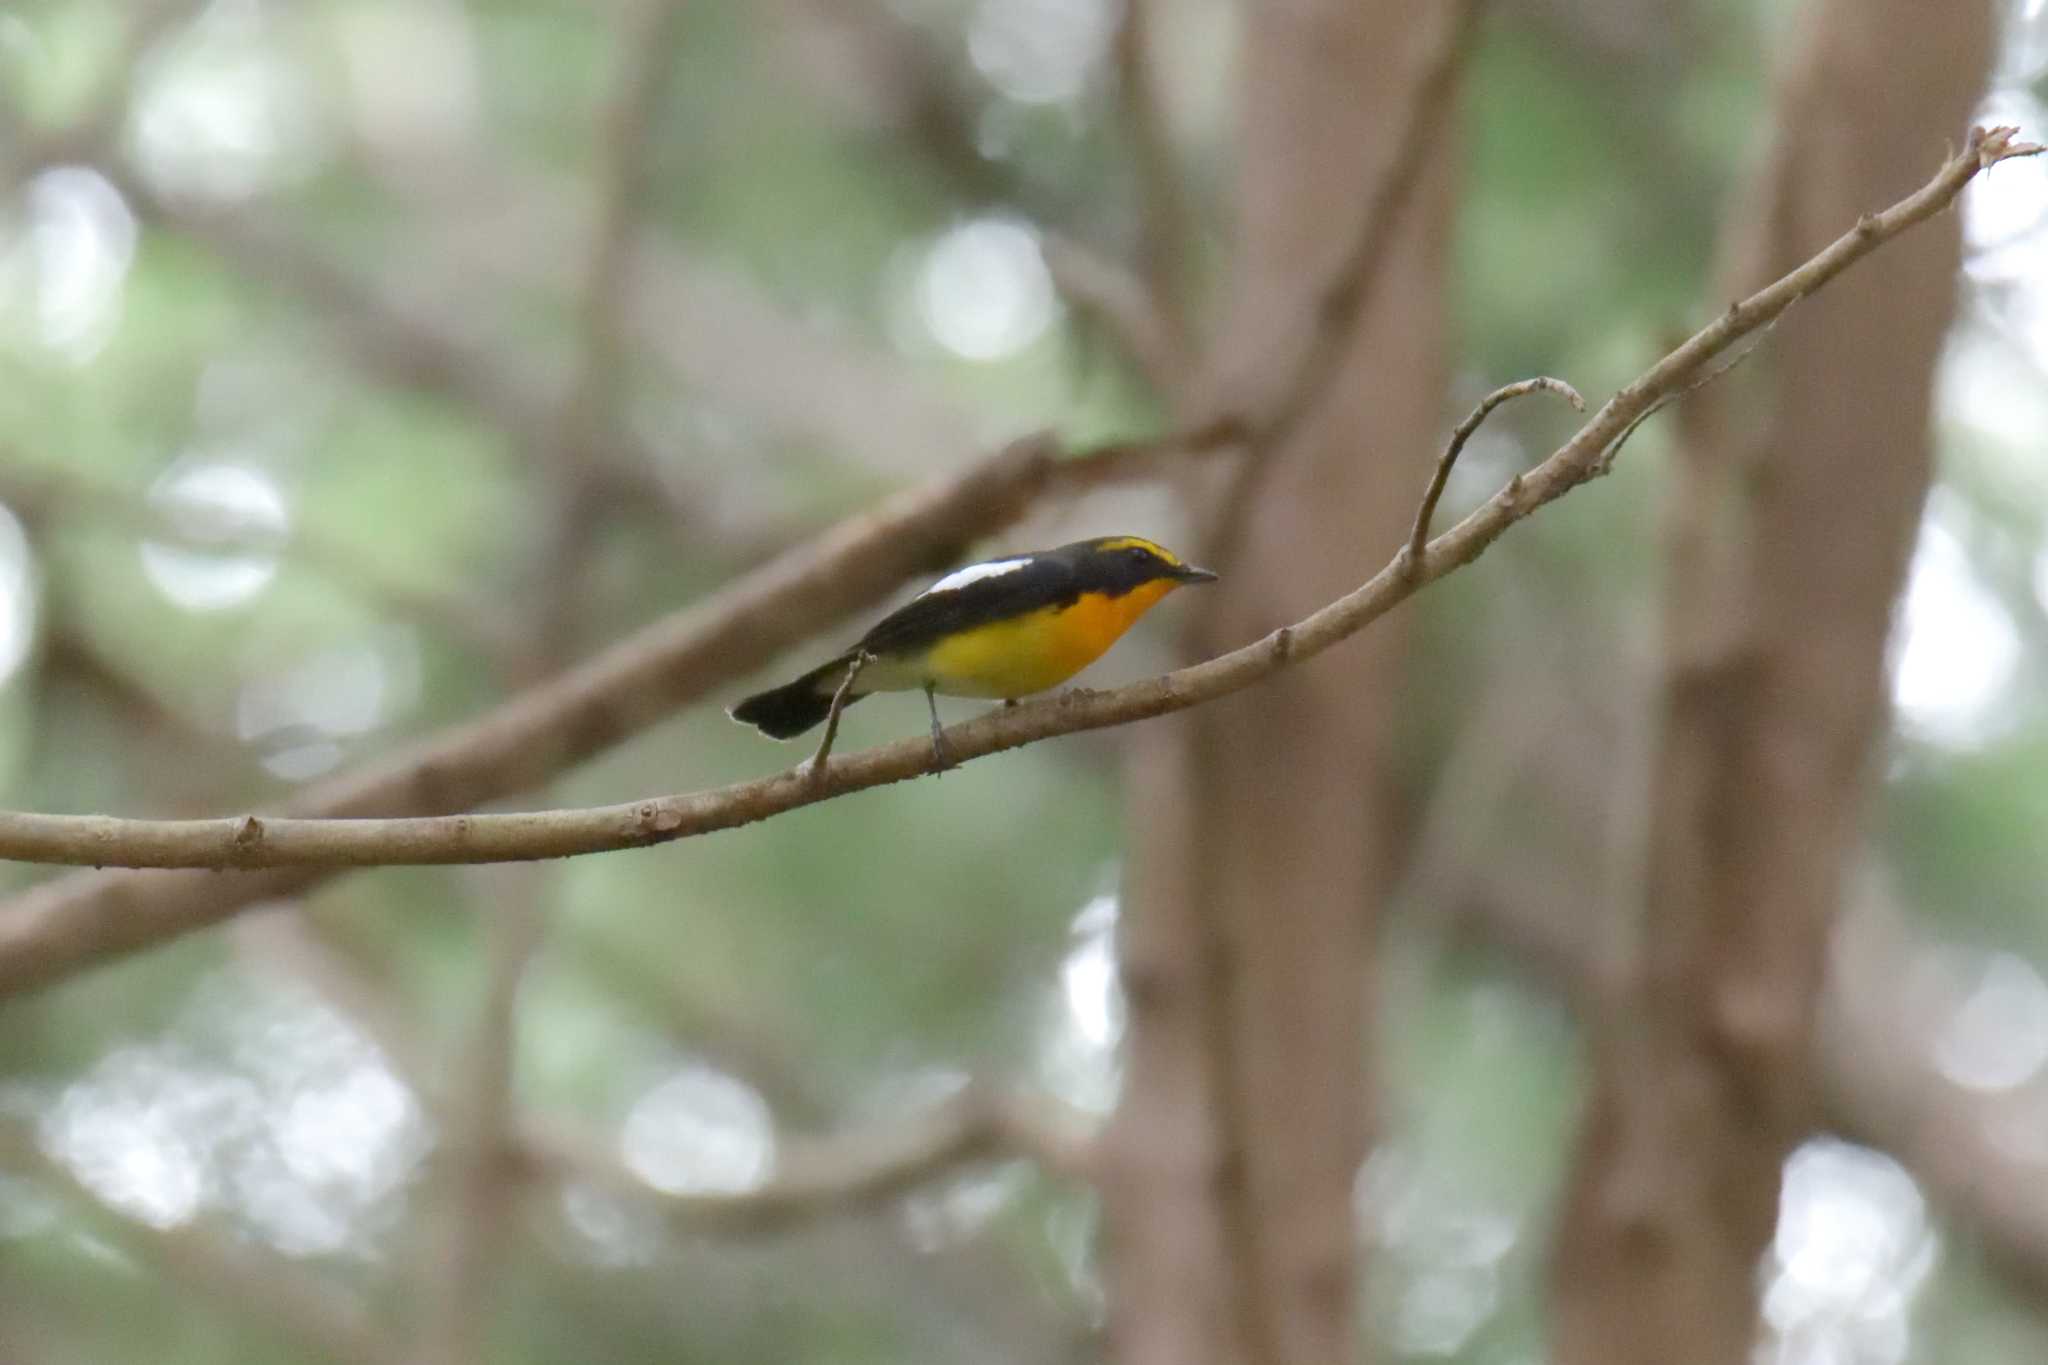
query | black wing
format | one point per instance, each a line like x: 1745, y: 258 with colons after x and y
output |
x: 925, y: 620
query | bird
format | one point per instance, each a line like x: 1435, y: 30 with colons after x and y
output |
x: 999, y: 630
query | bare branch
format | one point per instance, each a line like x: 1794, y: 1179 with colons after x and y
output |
x: 53, y: 931
x: 1419, y: 537
x: 850, y: 1173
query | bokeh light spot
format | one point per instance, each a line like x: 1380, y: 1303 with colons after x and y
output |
x: 984, y: 292
x: 1040, y: 51
x: 1998, y: 1040
x: 218, y: 502
x: 1957, y: 647
x: 699, y: 1132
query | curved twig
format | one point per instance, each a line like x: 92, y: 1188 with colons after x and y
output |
x: 1418, y: 538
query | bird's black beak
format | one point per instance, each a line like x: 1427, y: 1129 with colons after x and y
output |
x: 1188, y: 573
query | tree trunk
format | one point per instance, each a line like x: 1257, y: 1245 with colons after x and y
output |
x: 1796, y: 495
x: 1259, y: 844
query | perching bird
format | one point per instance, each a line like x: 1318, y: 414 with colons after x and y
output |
x: 998, y: 630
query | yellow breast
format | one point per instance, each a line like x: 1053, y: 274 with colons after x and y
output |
x: 1038, y: 650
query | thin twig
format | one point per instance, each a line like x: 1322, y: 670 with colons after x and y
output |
x: 861, y: 659
x: 1608, y: 456
x: 45, y: 936
x: 1419, y: 537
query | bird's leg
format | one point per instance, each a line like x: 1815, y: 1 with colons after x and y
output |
x: 939, y: 756
x: 816, y: 767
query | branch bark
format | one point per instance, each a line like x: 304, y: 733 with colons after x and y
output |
x: 58, y: 928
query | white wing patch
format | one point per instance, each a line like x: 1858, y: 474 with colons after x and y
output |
x: 974, y: 573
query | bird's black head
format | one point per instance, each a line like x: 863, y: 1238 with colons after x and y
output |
x: 1118, y: 564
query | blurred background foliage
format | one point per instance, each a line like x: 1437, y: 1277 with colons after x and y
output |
x: 282, y: 288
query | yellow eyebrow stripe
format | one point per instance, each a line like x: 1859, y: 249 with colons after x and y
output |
x: 1140, y: 543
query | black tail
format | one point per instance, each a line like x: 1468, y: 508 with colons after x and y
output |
x: 787, y: 711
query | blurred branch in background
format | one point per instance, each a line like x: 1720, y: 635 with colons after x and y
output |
x: 818, y: 1175
x: 310, y: 1311
x: 851, y: 1172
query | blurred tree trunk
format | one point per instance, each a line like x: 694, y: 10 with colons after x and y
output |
x: 1795, y: 499
x: 1260, y: 824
